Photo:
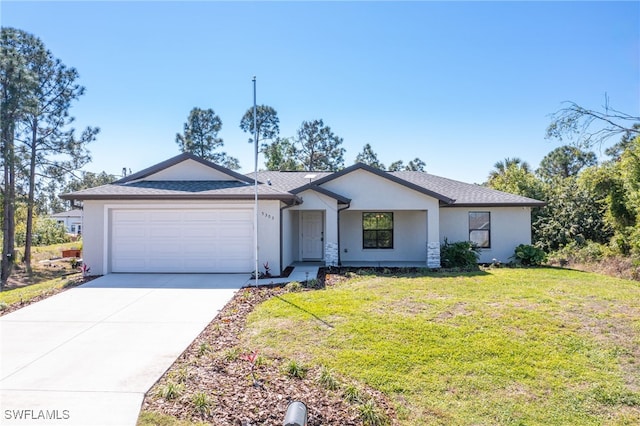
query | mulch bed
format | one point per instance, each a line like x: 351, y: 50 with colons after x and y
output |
x: 245, y: 393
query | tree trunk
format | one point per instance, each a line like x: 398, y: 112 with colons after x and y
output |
x: 8, y: 220
x: 30, y: 200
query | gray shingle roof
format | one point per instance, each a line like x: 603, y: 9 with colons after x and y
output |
x: 285, y: 185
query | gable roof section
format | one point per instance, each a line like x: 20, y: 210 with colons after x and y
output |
x: 386, y: 175
x: 179, y: 159
x: 321, y: 190
x: 135, y: 187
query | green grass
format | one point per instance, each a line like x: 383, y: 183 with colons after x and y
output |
x: 26, y: 293
x: 504, y: 346
x: 148, y: 418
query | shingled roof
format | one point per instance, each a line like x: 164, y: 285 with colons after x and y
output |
x: 450, y: 192
x: 286, y: 186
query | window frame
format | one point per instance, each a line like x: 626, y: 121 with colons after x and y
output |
x: 378, y: 232
x: 481, y: 229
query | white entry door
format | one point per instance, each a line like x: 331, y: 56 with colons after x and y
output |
x: 312, y: 235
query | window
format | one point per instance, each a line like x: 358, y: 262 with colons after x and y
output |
x: 480, y: 229
x: 377, y: 230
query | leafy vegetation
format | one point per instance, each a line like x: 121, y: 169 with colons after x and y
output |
x: 500, y: 346
x: 528, y: 255
x: 461, y: 254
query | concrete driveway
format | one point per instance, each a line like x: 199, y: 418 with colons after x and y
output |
x: 88, y: 355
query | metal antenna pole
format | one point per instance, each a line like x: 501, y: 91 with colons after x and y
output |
x: 255, y: 178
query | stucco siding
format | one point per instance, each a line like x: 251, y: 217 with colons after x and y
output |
x: 409, y: 238
x: 510, y: 226
x: 97, y: 222
x: 371, y: 192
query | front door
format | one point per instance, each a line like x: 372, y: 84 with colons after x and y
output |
x: 312, y: 235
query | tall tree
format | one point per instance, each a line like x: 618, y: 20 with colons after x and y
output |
x: 50, y: 150
x: 565, y: 161
x: 320, y: 149
x: 17, y: 84
x: 590, y: 127
x: 397, y: 166
x: 281, y: 155
x: 368, y: 157
x: 416, y: 165
x: 267, y: 122
x: 200, y: 137
x: 501, y: 167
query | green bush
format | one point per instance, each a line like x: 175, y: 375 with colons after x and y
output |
x: 529, y: 255
x: 46, y: 231
x: 462, y: 254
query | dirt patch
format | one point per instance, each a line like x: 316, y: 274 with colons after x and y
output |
x: 219, y: 381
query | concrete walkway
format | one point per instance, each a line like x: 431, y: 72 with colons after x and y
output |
x: 300, y: 274
x: 88, y: 355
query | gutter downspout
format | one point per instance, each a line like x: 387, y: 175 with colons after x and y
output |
x: 339, y: 248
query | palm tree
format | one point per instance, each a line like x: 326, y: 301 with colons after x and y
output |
x: 501, y: 167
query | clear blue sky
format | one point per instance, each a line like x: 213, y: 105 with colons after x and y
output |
x: 460, y: 85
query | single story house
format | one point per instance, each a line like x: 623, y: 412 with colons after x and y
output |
x: 187, y: 214
x: 72, y: 220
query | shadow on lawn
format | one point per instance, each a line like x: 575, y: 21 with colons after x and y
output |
x: 305, y: 311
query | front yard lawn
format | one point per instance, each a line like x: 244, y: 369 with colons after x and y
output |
x: 502, y: 346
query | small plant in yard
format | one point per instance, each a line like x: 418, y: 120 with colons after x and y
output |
x: 327, y: 380
x: 201, y: 403
x: 293, y: 287
x: 267, y: 270
x: 204, y: 349
x: 351, y: 394
x: 313, y: 284
x: 171, y: 390
x: 371, y: 415
x: 529, y: 255
x: 296, y: 369
x: 179, y: 375
x: 252, y: 358
x: 462, y: 254
x: 231, y: 354
x: 84, y: 269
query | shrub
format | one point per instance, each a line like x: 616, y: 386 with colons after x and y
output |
x: 371, y: 415
x: 327, y: 380
x: 462, y: 254
x: 295, y: 369
x: 351, y: 394
x: 529, y: 255
x: 171, y: 390
x: 201, y: 403
x: 293, y: 287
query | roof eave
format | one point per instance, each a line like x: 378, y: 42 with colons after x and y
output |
x: 526, y: 204
x: 131, y: 197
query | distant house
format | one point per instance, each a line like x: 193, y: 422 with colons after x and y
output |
x: 72, y: 220
x: 187, y: 214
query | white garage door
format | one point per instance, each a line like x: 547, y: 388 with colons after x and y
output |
x: 182, y: 240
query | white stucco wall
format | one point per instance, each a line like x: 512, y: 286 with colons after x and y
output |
x: 510, y: 226
x: 97, y: 221
x: 189, y: 170
x: 409, y: 238
x: 370, y: 192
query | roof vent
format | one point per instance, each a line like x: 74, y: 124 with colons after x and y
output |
x: 269, y: 182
